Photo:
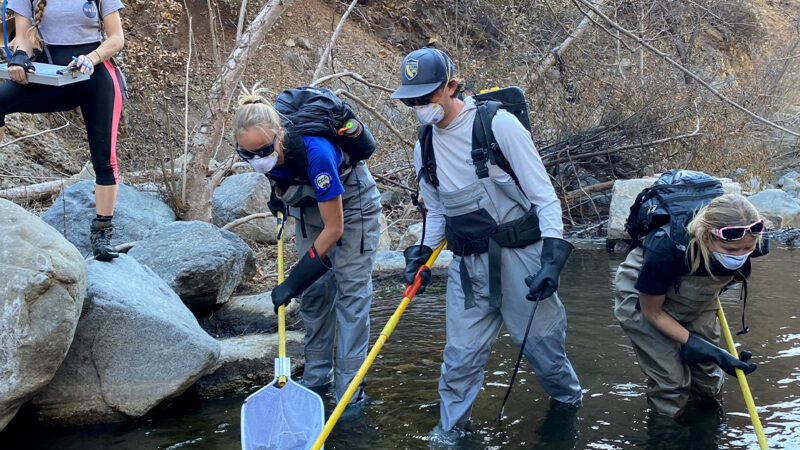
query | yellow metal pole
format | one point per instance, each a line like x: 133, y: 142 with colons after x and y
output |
x: 748, y: 397
x: 281, y: 310
x: 408, y: 294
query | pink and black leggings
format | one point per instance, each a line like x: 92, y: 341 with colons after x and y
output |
x: 100, y: 99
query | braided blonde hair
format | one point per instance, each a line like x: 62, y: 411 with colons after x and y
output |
x: 255, y: 111
x: 33, y: 32
x: 724, y: 211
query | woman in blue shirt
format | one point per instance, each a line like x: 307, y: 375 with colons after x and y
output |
x: 337, y: 210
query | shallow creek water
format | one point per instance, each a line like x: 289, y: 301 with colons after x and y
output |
x: 404, y: 378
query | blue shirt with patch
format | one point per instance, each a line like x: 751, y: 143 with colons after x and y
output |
x: 323, y: 164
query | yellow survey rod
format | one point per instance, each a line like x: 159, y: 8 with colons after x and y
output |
x: 408, y: 294
x: 282, y: 309
x: 748, y: 397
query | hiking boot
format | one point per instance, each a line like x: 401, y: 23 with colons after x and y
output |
x: 102, y: 230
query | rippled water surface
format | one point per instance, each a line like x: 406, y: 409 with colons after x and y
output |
x: 404, y: 378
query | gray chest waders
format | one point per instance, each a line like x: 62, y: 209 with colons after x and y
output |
x: 486, y: 216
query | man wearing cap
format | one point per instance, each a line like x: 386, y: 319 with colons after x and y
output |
x: 506, y: 236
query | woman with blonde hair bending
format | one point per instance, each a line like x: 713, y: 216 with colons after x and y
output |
x: 337, y: 210
x: 666, y: 302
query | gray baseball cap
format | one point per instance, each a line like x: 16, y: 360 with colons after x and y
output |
x: 423, y: 71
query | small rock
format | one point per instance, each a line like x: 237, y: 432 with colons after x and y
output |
x: 410, y: 237
x: 304, y: 43
x: 389, y: 198
x: 289, y: 43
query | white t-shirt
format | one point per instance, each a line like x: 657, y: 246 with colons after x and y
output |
x: 68, y: 22
x: 455, y: 169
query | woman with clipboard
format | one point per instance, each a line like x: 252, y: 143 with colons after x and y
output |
x: 71, y: 34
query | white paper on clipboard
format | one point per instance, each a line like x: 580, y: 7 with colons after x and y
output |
x: 47, y: 74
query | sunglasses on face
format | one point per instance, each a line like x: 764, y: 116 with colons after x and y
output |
x: 262, y: 152
x: 737, y: 233
x: 420, y: 101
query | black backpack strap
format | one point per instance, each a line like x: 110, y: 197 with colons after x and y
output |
x: 484, y: 144
x: 428, y: 169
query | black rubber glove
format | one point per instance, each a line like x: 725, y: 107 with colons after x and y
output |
x: 699, y: 350
x: 276, y: 205
x: 417, y: 255
x: 20, y: 58
x: 554, y: 255
x: 308, y: 270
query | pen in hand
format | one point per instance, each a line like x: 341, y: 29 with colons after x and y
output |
x: 84, y: 64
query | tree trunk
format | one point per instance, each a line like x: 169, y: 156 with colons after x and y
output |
x: 207, y: 134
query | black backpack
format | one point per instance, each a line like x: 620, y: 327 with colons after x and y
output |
x: 313, y: 111
x: 672, y: 200
x: 512, y: 99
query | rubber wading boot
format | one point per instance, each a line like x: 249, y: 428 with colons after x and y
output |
x: 102, y: 230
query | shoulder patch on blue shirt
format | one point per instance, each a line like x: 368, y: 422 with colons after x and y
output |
x: 323, y: 181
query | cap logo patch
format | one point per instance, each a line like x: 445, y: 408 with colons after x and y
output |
x: 412, y: 68
x: 323, y: 181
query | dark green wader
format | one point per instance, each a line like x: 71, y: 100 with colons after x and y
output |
x: 692, y: 302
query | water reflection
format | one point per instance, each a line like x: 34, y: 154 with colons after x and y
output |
x: 404, y: 378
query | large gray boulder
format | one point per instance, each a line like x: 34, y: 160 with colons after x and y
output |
x: 43, y: 279
x: 240, y: 196
x: 135, y: 214
x: 779, y: 207
x: 137, y: 346
x: 624, y: 193
x: 203, y: 264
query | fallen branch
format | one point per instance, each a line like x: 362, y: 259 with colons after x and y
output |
x: 393, y: 183
x: 327, y: 53
x: 39, y: 191
x: 588, y: 190
x: 686, y: 71
x: 244, y: 219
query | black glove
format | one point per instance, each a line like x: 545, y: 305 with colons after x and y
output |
x: 554, y: 255
x: 308, y: 270
x: 275, y: 205
x: 699, y: 350
x: 417, y: 255
x: 20, y: 58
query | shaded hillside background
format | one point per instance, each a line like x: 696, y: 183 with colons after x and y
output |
x: 604, y: 110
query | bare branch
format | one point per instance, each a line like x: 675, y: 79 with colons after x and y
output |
x: 244, y: 219
x: 352, y: 75
x: 393, y: 183
x: 21, y: 138
x: 557, y: 51
x: 686, y: 71
x: 186, y: 116
x: 326, y: 54
x: 242, y: 14
x: 696, y: 132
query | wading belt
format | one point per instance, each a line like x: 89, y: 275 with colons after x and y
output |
x: 517, y: 233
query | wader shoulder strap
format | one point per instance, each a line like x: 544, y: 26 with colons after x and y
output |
x: 428, y: 169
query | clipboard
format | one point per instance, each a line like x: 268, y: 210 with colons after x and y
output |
x: 49, y: 74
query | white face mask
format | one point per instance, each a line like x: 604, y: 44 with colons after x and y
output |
x: 731, y: 262
x: 429, y: 114
x: 265, y: 164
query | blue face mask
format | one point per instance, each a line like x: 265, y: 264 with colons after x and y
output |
x: 731, y: 262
